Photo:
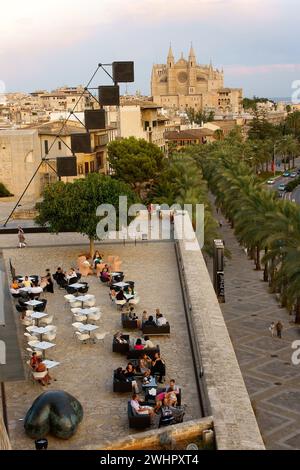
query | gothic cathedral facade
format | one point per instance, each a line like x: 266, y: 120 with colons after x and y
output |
x: 185, y: 84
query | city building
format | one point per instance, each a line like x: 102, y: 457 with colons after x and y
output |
x: 139, y: 118
x: 185, y: 84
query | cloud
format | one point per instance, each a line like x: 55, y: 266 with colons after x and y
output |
x: 242, y: 70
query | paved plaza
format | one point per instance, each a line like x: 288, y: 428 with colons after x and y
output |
x: 273, y: 382
x: 86, y: 370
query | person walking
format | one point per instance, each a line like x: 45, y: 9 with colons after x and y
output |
x: 279, y: 328
x: 21, y: 237
x: 272, y: 329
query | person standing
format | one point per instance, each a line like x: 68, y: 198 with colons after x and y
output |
x: 272, y: 329
x: 21, y: 237
x: 50, y: 285
x: 279, y: 328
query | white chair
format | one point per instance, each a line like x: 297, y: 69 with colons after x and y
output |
x: 76, y: 311
x: 99, y: 337
x: 69, y: 297
x: 27, y: 322
x: 120, y: 303
x: 134, y: 301
x: 39, y: 375
x: 79, y: 318
x: 82, y: 337
x: 75, y: 304
x: 49, y: 337
x: 89, y: 303
x: 46, y: 320
x: 93, y: 317
x: 30, y: 337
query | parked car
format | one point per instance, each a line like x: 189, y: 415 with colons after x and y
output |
x: 271, y: 181
x: 286, y: 174
x: 282, y: 187
x: 293, y: 174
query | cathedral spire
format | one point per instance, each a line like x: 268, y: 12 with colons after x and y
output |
x: 192, y: 56
x: 170, y: 54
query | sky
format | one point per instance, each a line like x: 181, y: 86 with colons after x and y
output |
x: 44, y: 45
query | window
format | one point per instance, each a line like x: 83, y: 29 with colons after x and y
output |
x: 59, y: 145
x: 92, y: 167
x: 80, y: 169
x: 86, y: 168
x: 46, y: 146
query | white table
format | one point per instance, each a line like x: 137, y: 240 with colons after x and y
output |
x: 30, y: 278
x: 50, y: 364
x: 121, y: 284
x: 43, y: 345
x: 87, y: 311
x: 33, y: 303
x: 77, y: 286
x: 25, y: 289
x: 85, y: 298
x: 88, y: 328
x: 40, y: 330
x: 37, y: 316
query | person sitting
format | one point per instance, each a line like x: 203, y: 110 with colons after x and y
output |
x: 160, y: 319
x: 145, y: 364
x: 36, y: 290
x: 120, y: 295
x: 140, y: 410
x: 119, y: 338
x: 129, y: 374
x: 71, y: 275
x: 148, y: 343
x: 150, y: 321
x: 144, y: 316
x: 167, y: 416
x: 132, y: 315
x: 60, y: 278
x: 40, y: 367
x: 27, y: 282
x: 138, y: 345
x: 158, y: 367
x: 33, y: 361
x: 170, y: 394
x: 112, y: 294
x: 97, y: 259
x: 15, y: 284
x: 105, y: 276
x: 49, y: 286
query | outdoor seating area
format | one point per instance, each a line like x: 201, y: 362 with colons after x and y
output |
x: 81, y: 326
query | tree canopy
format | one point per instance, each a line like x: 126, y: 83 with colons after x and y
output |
x: 200, y: 117
x: 135, y: 161
x: 73, y: 206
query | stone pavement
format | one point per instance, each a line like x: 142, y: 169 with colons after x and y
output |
x: 86, y: 370
x: 273, y: 382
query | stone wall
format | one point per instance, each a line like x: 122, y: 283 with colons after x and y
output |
x: 234, y: 420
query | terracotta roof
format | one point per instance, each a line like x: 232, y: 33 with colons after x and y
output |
x: 189, y: 134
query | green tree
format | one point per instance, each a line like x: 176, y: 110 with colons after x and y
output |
x: 135, y: 161
x: 73, y: 206
x: 200, y: 117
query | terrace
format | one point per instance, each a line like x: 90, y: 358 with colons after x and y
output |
x: 86, y: 370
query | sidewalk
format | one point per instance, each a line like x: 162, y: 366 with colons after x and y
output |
x: 272, y: 381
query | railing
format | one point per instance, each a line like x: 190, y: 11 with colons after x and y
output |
x: 195, y: 349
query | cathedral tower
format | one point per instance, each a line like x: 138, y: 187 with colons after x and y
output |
x: 171, y: 72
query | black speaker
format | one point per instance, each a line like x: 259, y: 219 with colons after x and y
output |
x: 81, y: 143
x: 66, y: 166
x: 123, y: 72
x: 95, y: 119
x: 109, y: 95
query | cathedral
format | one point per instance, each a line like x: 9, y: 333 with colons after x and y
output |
x: 185, y: 84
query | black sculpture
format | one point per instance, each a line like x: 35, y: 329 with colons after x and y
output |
x: 55, y: 412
